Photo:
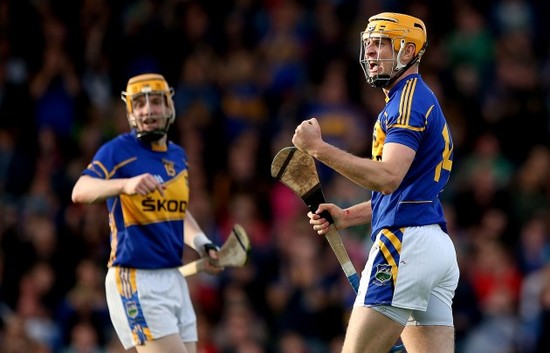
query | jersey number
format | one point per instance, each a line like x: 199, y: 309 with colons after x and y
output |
x: 446, y: 162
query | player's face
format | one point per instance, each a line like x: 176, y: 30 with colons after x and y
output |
x: 150, y: 111
x: 379, y: 55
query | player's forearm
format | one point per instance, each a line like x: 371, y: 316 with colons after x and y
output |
x: 91, y: 190
x: 358, y: 214
x: 193, y: 234
x: 370, y: 174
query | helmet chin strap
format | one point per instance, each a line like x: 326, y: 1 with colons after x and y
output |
x: 150, y: 136
x: 379, y: 81
x: 398, y: 71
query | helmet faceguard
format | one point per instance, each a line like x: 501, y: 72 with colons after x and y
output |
x: 399, y: 29
x: 143, y: 92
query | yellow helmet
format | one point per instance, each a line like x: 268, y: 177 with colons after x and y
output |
x: 400, y: 29
x: 399, y: 26
x: 146, y: 85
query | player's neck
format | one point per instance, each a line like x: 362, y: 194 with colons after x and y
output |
x: 160, y: 143
x: 411, y: 70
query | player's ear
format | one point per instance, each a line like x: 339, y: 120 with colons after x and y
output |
x: 408, y: 53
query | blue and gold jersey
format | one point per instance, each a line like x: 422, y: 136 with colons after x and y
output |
x: 146, y: 231
x: 412, y: 117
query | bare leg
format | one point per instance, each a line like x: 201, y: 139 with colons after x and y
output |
x: 428, y: 339
x: 171, y: 343
x: 370, y: 332
x: 191, y: 347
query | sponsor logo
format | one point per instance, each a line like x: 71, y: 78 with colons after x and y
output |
x: 163, y: 205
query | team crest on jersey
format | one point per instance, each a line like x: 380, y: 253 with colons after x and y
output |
x: 131, y: 309
x: 382, y: 275
x: 169, y: 166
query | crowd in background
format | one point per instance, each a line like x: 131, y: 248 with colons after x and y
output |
x: 245, y: 73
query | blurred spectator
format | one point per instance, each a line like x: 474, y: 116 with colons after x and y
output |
x: 83, y: 339
x: 56, y: 86
x: 478, y: 194
x: 281, y: 50
x: 492, y: 272
x: 516, y: 93
x: 509, y: 16
x: 304, y: 296
x: 487, y: 152
x: 340, y: 119
x: 533, y: 311
x: 470, y: 44
x: 84, y: 309
x: 242, y: 101
x: 239, y: 325
x: 498, y: 330
x: 533, y: 250
x: 291, y: 342
x: 543, y: 342
x: 530, y: 189
x: 196, y: 87
x: 15, y: 338
x: 33, y: 306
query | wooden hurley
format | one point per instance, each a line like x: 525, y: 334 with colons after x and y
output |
x: 297, y: 170
x: 233, y: 253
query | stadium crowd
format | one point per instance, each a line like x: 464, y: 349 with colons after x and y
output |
x: 245, y: 72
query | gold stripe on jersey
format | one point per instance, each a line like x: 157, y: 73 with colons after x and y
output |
x: 120, y: 165
x: 108, y: 174
x: 154, y: 208
x: 405, y: 102
x: 407, y: 127
x: 114, y: 236
x: 428, y: 114
x: 92, y: 166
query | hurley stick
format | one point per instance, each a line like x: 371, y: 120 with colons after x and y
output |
x: 233, y: 253
x: 297, y: 170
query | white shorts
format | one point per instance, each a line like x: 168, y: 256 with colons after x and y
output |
x: 149, y: 304
x: 407, y: 266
